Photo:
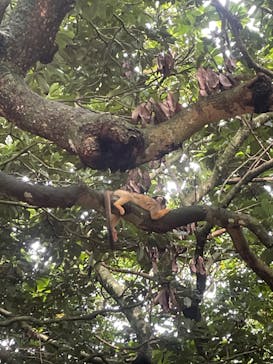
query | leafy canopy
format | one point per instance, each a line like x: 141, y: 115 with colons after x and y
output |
x: 107, y: 62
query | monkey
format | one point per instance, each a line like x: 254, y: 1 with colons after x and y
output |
x: 155, y: 205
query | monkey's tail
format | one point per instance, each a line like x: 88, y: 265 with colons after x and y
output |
x: 107, y: 206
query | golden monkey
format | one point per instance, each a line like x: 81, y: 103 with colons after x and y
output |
x: 155, y: 205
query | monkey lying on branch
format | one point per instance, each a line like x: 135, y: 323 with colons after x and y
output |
x: 155, y: 205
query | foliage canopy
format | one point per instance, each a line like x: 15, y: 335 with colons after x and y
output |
x: 65, y: 296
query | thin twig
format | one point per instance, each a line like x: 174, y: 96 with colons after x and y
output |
x: 236, y: 27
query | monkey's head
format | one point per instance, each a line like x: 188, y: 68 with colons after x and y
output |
x: 161, y: 200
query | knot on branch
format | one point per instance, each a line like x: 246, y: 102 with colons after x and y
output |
x: 110, y: 145
x: 262, y: 90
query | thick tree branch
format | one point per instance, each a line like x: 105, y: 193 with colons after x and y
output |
x: 104, y: 141
x: 224, y: 218
x: 99, y: 139
x: 169, y: 135
x: 81, y: 195
x: 32, y: 29
x: 39, y: 195
x: 47, y: 196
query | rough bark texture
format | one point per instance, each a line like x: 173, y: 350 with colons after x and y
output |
x: 170, y: 134
x: 47, y: 196
x: 100, y: 140
x: 104, y: 141
x: 40, y: 195
x: 32, y: 30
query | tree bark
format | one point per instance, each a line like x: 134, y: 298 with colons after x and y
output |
x: 105, y: 141
x: 33, y: 26
x: 99, y: 139
x: 3, y: 6
x: 256, y: 264
x: 47, y: 196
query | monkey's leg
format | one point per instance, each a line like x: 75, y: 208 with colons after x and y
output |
x: 119, y: 203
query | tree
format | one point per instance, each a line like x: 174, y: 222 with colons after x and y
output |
x: 167, y: 97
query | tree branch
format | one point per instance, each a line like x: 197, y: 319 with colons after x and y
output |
x: 15, y: 319
x: 245, y: 179
x: 38, y: 335
x: 235, y: 180
x: 81, y: 195
x: 3, y: 6
x: 224, y: 218
x: 236, y: 30
x: 32, y: 30
x: 40, y: 195
x: 134, y: 315
x: 257, y: 265
x: 104, y: 141
x: 220, y: 169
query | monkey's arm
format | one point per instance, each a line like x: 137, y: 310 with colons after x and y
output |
x: 157, y: 214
